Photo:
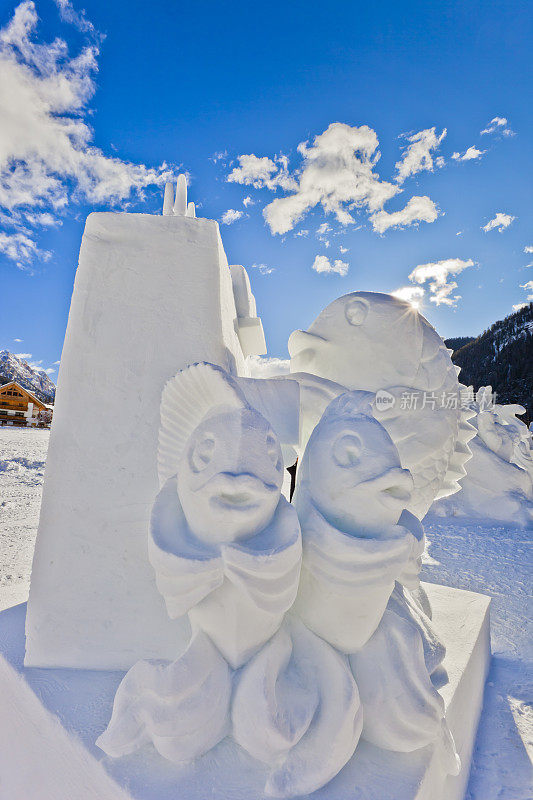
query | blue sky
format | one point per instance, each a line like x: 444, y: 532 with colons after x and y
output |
x: 102, y: 106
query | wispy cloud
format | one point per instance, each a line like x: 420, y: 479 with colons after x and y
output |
x: 21, y: 248
x: 500, y: 221
x: 262, y: 173
x: 230, y: 216
x: 418, y: 209
x: 498, y: 125
x: 469, y: 155
x: 323, y: 264
x: 438, y: 274
x: 418, y: 155
x: 47, y: 155
x: 264, y: 269
x: 247, y: 201
x: 528, y: 248
x: 23, y: 356
x: 73, y: 17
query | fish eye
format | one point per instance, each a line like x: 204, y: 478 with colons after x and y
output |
x: 347, y: 450
x: 201, y: 453
x: 356, y: 312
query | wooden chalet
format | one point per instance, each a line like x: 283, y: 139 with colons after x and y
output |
x: 18, y: 406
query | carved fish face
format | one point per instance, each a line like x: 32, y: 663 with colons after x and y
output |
x: 230, y: 476
x: 363, y: 340
x: 354, y: 474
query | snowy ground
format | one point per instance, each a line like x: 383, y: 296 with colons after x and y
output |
x: 22, y: 459
x: 492, y: 560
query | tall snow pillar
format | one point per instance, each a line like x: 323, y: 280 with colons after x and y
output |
x: 152, y: 294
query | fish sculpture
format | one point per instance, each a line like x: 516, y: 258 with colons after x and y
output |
x: 377, y: 343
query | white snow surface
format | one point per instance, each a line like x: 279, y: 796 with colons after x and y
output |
x: 491, y: 559
x: 22, y: 460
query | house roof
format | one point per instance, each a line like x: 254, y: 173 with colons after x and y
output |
x: 23, y: 389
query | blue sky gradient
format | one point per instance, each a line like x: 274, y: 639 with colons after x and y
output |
x: 179, y: 82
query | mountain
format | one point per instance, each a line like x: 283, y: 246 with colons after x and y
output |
x: 13, y: 368
x: 502, y: 357
x: 458, y: 342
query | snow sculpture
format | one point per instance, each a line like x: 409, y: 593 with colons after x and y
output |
x: 225, y: 545
x: 350, y: 494
x: 375, y: 342
x: 402, y: 710
x: 499, y: 481
x: 226, y: 550
x: 296, y: 708
x: 248, y: 325
x: 359, y: 546
x: 153, y: 294
x: 181, y: 707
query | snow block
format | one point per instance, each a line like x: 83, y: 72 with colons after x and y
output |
x: 152, y: 294
x: 84, y: 699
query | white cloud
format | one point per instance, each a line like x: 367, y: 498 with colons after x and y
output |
x: 262, y: 173
x: 518, y: 306
x: 438, y: 272
x: 418, y: 209
x: 528, y: 248
x: 411, y: 294
x: 302, y: 233
x: 46, y: 153
x: 44, y: 219
x: 323, y: 264
x: 23, y: 356
x: 220, y: 156
x: 230, y: 216
x: 343, y: 249
x: 418, y: 154
x: 267, y: 367
x: 264, y: 269
x: 529, y: 288
x: 247, y: 201
x: 76, y: 18
x: 17, y: 340
x: 49, y: 370
x: 469, y: 155
x: 338, y: 174
x: 56, y: 363
x: 500, y: 221
x: 21, y: 249
x: 498, y: 125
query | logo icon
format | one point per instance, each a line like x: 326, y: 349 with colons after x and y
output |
x: 384, y: 400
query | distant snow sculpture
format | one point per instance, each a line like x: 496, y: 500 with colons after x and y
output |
x: 499, y: 481
x: 380, y: 344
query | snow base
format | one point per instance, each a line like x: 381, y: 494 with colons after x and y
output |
x: 82, y: 699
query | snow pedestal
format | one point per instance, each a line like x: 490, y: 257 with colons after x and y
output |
x: 152, y: 295
x: 83, y: 699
